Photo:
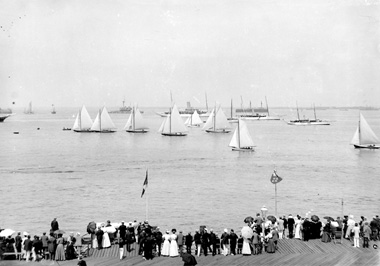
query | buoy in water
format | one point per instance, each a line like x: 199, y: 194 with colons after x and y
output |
x: 15, y: 132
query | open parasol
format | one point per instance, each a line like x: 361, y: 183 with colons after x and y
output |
x: 248, y: 219
x: 247, y: 232
x: 6, y: 232
x: 109, y: 229
x: 314, y: 218
x: 272, y: 218
x: 328, y: 218
x: 59, y: 232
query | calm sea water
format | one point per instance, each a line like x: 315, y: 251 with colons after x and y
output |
x: 193, y: 180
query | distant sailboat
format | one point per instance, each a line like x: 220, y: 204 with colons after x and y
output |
x: 103, y: 122
x: 29, y: 110
x: 241, y: 140
x: 194, y: 120
x: 53, y: 110
x: 232, y: 119
x: 217, y: 122
x: 83, y: 121
x: 307, y: 122
x: 364, y: 137
x: 136, y: 123
x: 173, y: 124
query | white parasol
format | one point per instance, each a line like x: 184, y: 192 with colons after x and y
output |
x: 109, y: 229
x: 247, y: 232
x: 6, y: 232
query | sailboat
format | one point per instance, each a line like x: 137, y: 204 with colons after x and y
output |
x: 194, y: 120
x: 103, y: 122
x: 173, y: 124
x: 260, y: 113
x: 136, y: 123
x: 232, y: 119
x: 83, y: 121
x: 241, y: 140
x: 29, y: 110
x: 364, y: 137
x: 53, y: 110
x: 307, y: 122
x: 217, y: 122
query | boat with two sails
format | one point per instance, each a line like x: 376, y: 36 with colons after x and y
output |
x: 217, y: 122
x: 194, y: 120
x: 103, y: 122
x: 83, y: 121
x: 173, y: 124
x: 364, y: 137
x: 241, y: 139
x: 136, y: 122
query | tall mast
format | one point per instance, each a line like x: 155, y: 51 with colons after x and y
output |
x: 100, y: 120
x: 231, y: 108
x: 315, y: 115
x: 170, y: 119
x: 80, y: 119
x: 206, y: 102
x: 298, y: 114
x: 134, y: 118
x: 239, y: 133
x: 267, y: 105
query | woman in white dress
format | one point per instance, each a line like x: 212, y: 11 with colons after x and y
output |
x: 166, y: 247
x: 247, y: 234
x: 298, y: 228
x: 173, y: 244
x: 106, y: 243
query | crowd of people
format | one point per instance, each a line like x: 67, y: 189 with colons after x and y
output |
x: 259, y: 235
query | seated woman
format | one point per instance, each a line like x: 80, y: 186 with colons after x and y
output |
x: 326, y: 235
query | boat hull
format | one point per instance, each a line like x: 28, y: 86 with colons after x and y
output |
x: 174, y: 134
x: 3, y: 117
x: 103, y: 131
x: 259, y: 118
x: 370, y: 147
x: 218, y: 131
x: 247, y: 149
x: 81, y: 131
x: 308, y: 123
x: 137, y: 131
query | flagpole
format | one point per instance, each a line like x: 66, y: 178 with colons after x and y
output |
x: 275, y: 199
x: 146, y: 208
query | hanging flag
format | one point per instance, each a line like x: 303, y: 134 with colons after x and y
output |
x: 145, y: 185
x: 275, y: 178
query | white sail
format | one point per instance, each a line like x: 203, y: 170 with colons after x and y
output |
x: 241, y: 137
x: 83, y: 121
x: 221, y: 120
x: 210, y: 121
x: 103, y: 122
x: 366, y: 135
x: 355, y: 140
x: 194, y: 120
x: 174, y: 123
x: 136, y: 121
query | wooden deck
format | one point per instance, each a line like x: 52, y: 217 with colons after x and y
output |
x: 290, y: 252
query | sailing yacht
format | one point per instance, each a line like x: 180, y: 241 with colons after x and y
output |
x: 53, y: 109
x: 29, y: 110
x: 260, y: 113
x: 307, y: 122
x: 364, y: 137
x: 173, y: 124
x: 83, y: 121
x: 241, y: 140
x: 103, y: 122
x: 217, y: 122
x: 136, y: 123
x: 194, y: 120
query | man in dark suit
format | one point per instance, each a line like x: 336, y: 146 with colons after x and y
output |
x: 188, y: 242
x: 122, y: 230
x: 291, y: 223
x: 99, y: 236
x: 213, y: 242
x: 205, y: 241
x: 158, y: 237
x: 285, y: 225
x: 233, y: 241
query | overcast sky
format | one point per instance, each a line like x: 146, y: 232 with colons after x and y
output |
x: 72, y: 52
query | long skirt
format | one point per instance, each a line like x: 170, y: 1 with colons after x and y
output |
x: 326, y: 237
x: 173, y: 249
x: 60, y: 253
x: 106, y: 243
x: 166, y: 248
x: 271, y: 248
x: 246, y: 250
